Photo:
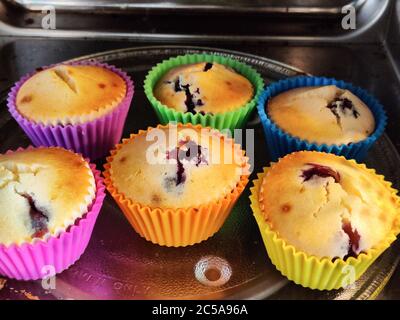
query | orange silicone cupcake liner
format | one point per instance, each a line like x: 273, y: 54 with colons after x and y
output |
x: 174, y: 227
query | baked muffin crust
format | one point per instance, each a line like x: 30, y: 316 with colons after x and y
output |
x: 203, y: 87
x: 327, y: 206
x: 325, y: 114
x: 42, y: 192
x: 193, y: 167
x: 70, y: 94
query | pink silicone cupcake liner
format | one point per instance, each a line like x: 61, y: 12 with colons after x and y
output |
x: 32, y: 261
x: 93, y: 139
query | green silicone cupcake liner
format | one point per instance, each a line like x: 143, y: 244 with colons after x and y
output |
x: 227, y: 120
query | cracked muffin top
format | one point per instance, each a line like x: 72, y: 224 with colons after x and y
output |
x: 177, y: 167
x: 42, y: 192
x: 203, y: 88
x: 67, y: 94
x: 325, y: 114
x: 327, y: 206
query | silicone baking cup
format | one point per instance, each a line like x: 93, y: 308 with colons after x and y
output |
x: 308, y: 270
x: 227, y: 120
x: 93, y: 139
x: 173, y: 227
x: 39, y: 259
x: 281, y: 143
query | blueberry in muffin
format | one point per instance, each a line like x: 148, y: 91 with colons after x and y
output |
x: 42, y: 192
x: 206, y: 88
x: 324, y: 115
x: 327, y: 206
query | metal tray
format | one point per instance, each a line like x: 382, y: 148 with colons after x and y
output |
x: 119, y: 264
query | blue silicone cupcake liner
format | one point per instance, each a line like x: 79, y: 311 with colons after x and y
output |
x: 281, y: 143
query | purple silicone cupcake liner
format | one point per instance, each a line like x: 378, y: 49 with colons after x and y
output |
x: 93, y: 139
x: 43, y: 258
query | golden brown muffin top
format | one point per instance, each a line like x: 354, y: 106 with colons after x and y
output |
x: 327, y: 206
x: 188, y: 167
x: 203, y: 87
x: 42, y: 192
x: 325, y: 114
x: 67, y: 94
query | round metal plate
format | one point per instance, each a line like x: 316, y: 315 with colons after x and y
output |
x: 119, y: 264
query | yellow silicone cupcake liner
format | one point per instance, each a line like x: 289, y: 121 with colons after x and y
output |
x: 174, y: 227
x: 310, y: 271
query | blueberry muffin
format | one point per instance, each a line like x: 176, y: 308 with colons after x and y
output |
x: 188, y: 171
x: 324, y: 115
x: 177, y: 184
x: 206, y: 87
x: 327, y: 206
x: 70, y: 94
x: 42, y: 192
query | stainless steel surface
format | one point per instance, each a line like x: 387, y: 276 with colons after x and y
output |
x: 119, y: 264
x: 371, y: 23
x: 209, y: 6
x: 391, y: 42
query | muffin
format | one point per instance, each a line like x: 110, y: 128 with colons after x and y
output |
x: 310, y: 113
x: 325, y: 114
x: 324, y: 213
x: 80, y: 106
x: 49, y: 198
x: 177, y: 184
x: 70, y: 94
x: 203, y: 89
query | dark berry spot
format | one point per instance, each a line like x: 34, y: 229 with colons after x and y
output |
x: 180, y: 170
x: 189, y: 151
x: 101, y: 85
x: 39, y: 69
x: 194, y: 151
x: 286, y: 208
x: 180, y: 173
x: 39, y: 219
x: 347, y: 104
x: 26, y: 99
x: 333, y: 108
x: 354, y: 239
x: 341, y: 106
x: 320, y: 171
x: 155, y: 198
x: 208, y: 66
x: 189, y: 99
x: 177, y: 85
x: 200, y: 103
x: 170, y: 183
